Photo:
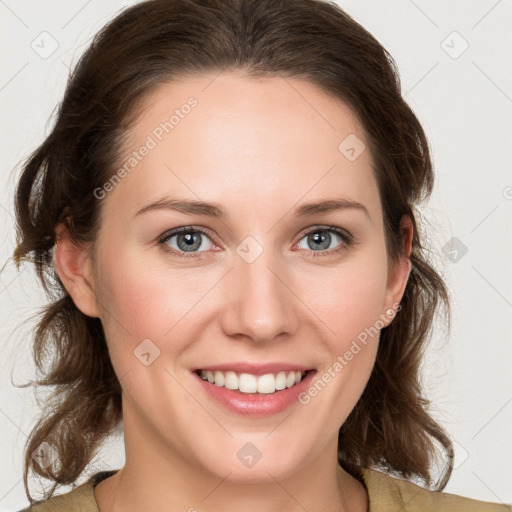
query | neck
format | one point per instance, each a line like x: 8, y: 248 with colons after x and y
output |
x: 158, y: 478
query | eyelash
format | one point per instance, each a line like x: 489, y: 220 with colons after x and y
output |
x: 346, y: 238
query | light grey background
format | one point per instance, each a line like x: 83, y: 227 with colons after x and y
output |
x: 463, y: 99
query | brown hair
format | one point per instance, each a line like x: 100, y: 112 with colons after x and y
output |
x: 157, y: 41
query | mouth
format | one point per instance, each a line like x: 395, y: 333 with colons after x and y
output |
x: 254, y: 383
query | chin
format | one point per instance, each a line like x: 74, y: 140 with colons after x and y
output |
x: 254, y: 459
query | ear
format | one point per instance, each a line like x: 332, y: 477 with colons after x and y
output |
x: 73, y: 266
x: 399, y: 271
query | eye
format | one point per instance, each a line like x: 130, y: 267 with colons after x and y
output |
x: 321, y: 240
x: 186, y: 240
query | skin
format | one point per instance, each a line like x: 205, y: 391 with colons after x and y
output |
x: 259, y: 148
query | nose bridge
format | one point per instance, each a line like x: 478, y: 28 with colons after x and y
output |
x: 258, y: 304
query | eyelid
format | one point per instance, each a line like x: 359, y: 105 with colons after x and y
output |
x: 348, y: 240
x: 186, y: 229
x: 325, y: 227
x: 346, y: 236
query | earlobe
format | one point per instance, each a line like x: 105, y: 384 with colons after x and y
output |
x: 73, y: 266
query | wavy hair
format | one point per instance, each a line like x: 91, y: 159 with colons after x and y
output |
x: 157, y: 41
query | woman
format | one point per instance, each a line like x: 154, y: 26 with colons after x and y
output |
x: 225, y: 208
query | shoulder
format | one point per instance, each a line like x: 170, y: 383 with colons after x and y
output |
x: 388, y: 494
x: 80, y: 499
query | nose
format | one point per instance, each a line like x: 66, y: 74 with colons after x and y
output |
x: 258, y: 303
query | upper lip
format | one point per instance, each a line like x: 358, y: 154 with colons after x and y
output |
x: 256, y: 369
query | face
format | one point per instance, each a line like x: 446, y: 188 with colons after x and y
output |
x: 265, y: 293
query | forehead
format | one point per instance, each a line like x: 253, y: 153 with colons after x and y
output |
x: 221, y: 136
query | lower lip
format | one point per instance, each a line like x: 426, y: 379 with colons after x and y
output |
x: 256, y: 404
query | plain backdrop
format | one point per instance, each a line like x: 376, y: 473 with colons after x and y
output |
x: 455, y: 63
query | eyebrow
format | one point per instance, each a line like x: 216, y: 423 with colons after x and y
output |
x: 328, y: 206
x: 216, y: 210
x: 185, y: 206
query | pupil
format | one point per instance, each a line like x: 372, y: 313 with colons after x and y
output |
x: 191, y: 241
x: 322, y: 239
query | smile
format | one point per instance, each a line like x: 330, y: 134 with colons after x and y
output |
x: 248, y: 383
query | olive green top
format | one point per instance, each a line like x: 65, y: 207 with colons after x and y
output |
x: 386, y: 494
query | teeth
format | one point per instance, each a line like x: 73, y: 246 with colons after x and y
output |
x: 248, y: 383
x: 231, y: 380
x: 219, y: 379
x: 281, y: 381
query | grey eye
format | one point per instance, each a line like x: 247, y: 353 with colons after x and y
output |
x: 189, y: 241
x: 320, y: 239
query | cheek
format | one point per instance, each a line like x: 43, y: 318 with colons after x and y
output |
x: 350, y: 305
x: 351, y: 308
x: 351, y: 298
x: 144, y: 302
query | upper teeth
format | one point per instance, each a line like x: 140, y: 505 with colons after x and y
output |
x: 248, y: 383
